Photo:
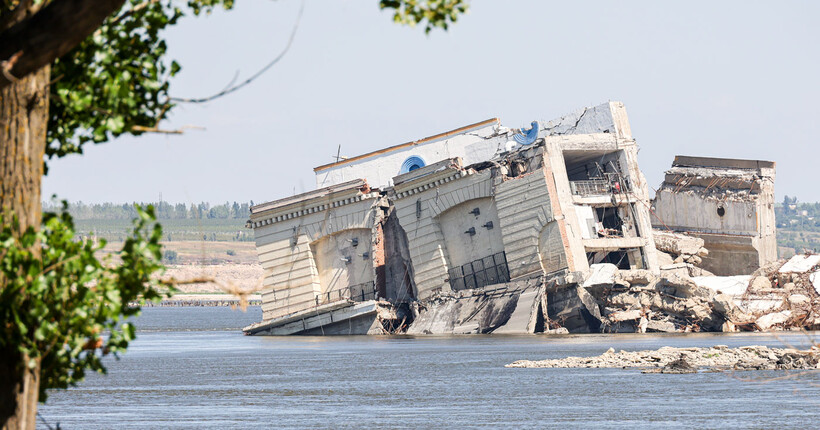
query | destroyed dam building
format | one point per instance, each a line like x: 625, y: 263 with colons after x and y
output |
x: 490, y: 229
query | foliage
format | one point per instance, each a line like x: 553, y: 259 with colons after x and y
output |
x: 164, y: 211
x: 798, y: 225
x: 430, y: 13
x: 230, y: 252
x: 117, y: 81
x: 58, y: 300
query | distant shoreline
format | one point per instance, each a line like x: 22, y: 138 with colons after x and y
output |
x: 203, y: 300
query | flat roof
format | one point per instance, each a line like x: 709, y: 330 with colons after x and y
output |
x: 726, y: 163
x: 404, y: 145
x: 321, y: 192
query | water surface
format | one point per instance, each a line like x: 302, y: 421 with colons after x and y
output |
x: 192, y: 368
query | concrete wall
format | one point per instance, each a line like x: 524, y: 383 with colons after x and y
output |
x: 688, y: 211
x: 472, y: 145
x: 531, y: 236
x: 341, y: 265
x: 286, y: 251
x: 727, y: 202
x: 462, y: 247
x: 418, y: 206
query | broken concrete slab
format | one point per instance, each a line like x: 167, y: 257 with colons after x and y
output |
x: 684, y: 269
x: 526, y: 312
x: 601, y: 274
x: 800, y: 264
x: 661, y: 326
x: 619, y: 316
x: 814, y: 278
x: 731, y: 285
x: 637, y: 276
x: 502, y: 308
x: 340, y: 318
x: 767, y: 321
x: 760, y: 305
x: 575, y: 309
x: 799, y: 300
x: 677, y: 243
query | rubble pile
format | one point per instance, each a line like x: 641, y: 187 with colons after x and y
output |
x: 782, y: 295
x: 679, y: 253
x: 689, y: 360
x: 639, y: 301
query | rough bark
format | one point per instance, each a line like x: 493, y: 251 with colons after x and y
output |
x: 36, y: 42
x: 23, y: 120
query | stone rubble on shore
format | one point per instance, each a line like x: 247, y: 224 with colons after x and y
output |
x: 689, y: 360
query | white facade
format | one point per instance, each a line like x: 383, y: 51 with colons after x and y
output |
x: 473, y: 144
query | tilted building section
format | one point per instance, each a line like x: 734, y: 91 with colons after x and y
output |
x: 488, y: 219
x: 729, y: 203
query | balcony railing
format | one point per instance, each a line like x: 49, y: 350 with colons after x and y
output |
x: 590, y: 187
x: 607, y: 185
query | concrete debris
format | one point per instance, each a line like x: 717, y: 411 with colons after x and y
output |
x: 679, y: 245
x: 689, y: 360
x: 815, y: 281
x: 767, y: 321
x: 684, y: 269
x: 800, y: 263
x: 513, y: 308
x: 639, y: 301
x: 601, y: 274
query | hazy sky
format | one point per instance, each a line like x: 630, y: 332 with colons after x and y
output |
x: 725, y: 79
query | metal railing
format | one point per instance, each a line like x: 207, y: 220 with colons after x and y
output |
x: 609, y: 184
x: 357, y: 293
x: 590, y: 187
x: 477, y: 274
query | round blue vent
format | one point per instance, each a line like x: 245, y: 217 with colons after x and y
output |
x: 412, y: 162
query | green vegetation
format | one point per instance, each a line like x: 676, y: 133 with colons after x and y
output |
x: 63, y: 308
x: 112, y: 222
x: 798, y: 225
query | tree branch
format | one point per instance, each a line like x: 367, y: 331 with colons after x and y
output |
x: 232, y: 88
x: 51, y: 33
x: 15, y: 15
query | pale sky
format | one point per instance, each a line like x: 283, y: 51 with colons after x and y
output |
x: 734, y: 79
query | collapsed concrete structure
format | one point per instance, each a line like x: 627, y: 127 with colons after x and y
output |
x: 727, y: 203
x: 482, y: 229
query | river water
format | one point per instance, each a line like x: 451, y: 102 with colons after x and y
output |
x: 192, y: 368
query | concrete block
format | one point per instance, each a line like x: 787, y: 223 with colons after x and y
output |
x: 767, y: 321
x: 800, y: 263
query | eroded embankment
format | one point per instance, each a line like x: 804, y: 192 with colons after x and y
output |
x: 687, y: 360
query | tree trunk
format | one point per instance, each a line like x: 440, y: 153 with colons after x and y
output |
x: 23, y: 120
x: 19, y: 391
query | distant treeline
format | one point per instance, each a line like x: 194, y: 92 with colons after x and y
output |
x: 164, y: 210
x: 798, y: 225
